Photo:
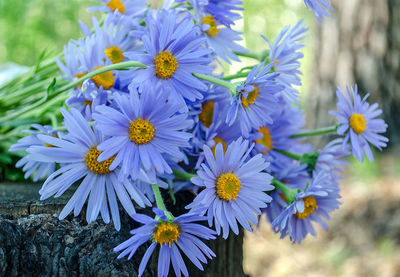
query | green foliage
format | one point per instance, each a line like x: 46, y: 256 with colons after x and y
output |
x: 30, y: 26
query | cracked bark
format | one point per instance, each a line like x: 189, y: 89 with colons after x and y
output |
x: 33, y: 242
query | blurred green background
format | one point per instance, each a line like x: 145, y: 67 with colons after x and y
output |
x: 364, y: 236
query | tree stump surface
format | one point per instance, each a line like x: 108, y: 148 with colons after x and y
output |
x: 34, y: 242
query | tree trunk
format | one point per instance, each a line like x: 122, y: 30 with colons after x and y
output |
x: 359, y: 43
x: 33, y: 242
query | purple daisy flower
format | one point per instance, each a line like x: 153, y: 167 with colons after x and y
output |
x: 312, y: 205
x: 284, y: 54
x: 130, y: 8
x: 234, y: 187
x: 141, y: 129
x: 224, y: 11
x: 38, y: 169
x: 77, y: 155
x: 173, y: 236
x: 359, y: 123
x: 320, y: 8
x: 173, y: 52
x: 256, y: 100
x: 330, y: 159
x: 220, y: 38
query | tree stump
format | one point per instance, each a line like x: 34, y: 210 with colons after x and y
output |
x: 33, y: 242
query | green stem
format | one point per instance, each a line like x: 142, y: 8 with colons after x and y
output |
x: 236, y: 76
x: 289, y: 154
x: 322, y: 131
x: 71, y: 85
x: 290, y: 194
x: 261, y: 56
x: 160, y: 202
x: 231, y: 87
x: 183, y: 175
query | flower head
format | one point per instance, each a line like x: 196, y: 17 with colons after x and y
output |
x: 172, y: 237
x: 320, y: 8
x: 359, y: 123
x: 256, y: 100
x: 141, y: 129
x: 234, y: 187
x: 77, y: 154
x: 129, y: 8
x: 32, y: 167
x: 173, y: 52
x: 311, y: 205
x: 284, y: 54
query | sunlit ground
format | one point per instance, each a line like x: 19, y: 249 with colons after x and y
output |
x: 363, y: 237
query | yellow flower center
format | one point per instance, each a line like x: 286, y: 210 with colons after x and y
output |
x: 310, y: 205
x: 210, y: 21
x: 218, y: 140
x: 165, y: 233
x: 105, y: 79
x: 141, y: 131
x: 227, y: 186
x: 116, y: 4
x: 80, y: 75
x: 165, y: 65
x: 50, y: 145
x: 114, y: 54
x: 95, y: 166
x: 357, y: 123
x: 207, y: 113
x: 87, y: 103
x: 265, y: 140
x: 251, y: 97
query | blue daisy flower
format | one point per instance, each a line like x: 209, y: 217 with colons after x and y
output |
x: 284, y: 54
x: 173, y: 52
x: 312, y: 205
x: 331, y: 159
x: 224, y: 11
x: 182, y: 234
x: 294, y: 176
x: 129, y: 8
x: 32, y: 167
x: 86, y: 99
x: 77, y: 155
x: 256, y: 100
x: 277, y: 135
x: 359, y: 123
x: 220, y: 38
x: 320, y: 8
x: 141, y: 129
x: 234, y: 187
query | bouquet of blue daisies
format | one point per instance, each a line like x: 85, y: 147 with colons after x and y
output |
x: 146, y: 111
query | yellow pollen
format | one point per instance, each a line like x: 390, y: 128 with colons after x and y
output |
x: 165, y: 65
x: 116, y: 4
x: 48, y: 144
x: 95, y: 166
x: 114, y: 54
x: 80, y: 75
x: 87, y: 103
x: 207, y: 113
x: 165, y: 233
x: 227, y: 186
x: 310, y: 205
x: 357, y: 123
x: 218, y: 140
x: 251, y: 97
x: 141, y: 131
x: 266, y: 139
x: 210, y: 21
x: 105, y: 79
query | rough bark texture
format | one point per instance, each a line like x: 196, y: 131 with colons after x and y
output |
x: 359, y: 43
x: 33, y: 242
